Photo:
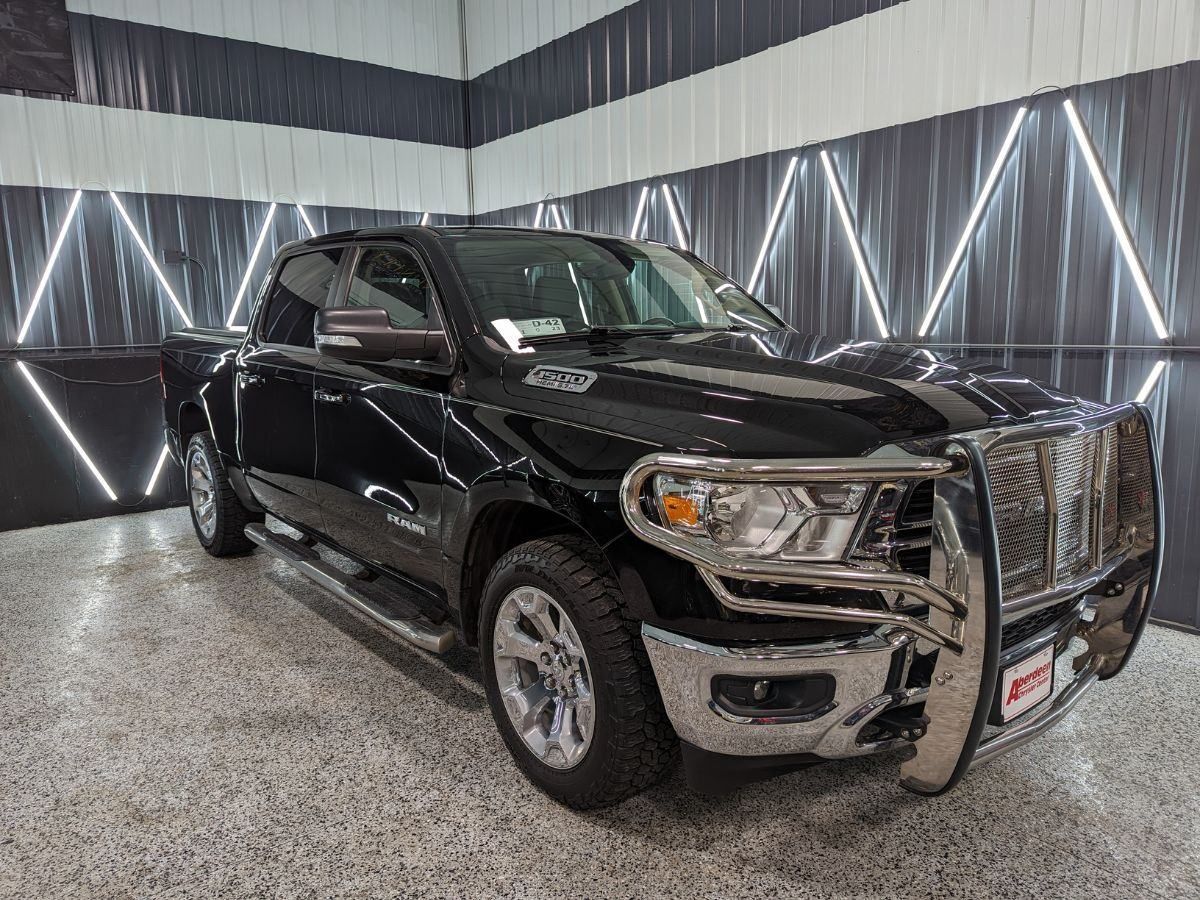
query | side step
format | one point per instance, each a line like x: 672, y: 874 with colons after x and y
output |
x: 398, y: 615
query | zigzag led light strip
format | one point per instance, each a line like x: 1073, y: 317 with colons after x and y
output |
x: 162, y: 279
x: 43, y: 282
x: 860, y: 261
x: 1145, y: 291
x: 676, y: 219
x: 1086, y: 146
x: 1151, y: 381
x: 555, y: 212
x: 641, y: 208
x: 61, y: 423
x: 989, y: 185
x: 50, y: 261
x: 312, y: 232
x: 640, y: 219
x: 258, y: 243
x: 776, y: 214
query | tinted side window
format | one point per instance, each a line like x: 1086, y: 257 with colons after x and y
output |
x: 301, y: 289
x: 391, y: 277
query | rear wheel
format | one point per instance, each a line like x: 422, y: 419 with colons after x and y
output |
x: 218, y: 515
x: 567, y: 677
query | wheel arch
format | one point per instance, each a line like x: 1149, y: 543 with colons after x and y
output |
x: 495, y: 528
x: 190, y: 421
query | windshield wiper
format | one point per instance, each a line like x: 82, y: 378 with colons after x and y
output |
x: 595, y: 332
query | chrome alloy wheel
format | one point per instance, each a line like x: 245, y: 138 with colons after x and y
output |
x: 544, y: 677
x: 203, y: 493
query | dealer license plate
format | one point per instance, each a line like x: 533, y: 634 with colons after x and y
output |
x: 1026, y: 684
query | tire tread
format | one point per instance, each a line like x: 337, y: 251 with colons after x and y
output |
x: 232, y: 515
x: 644, y: 746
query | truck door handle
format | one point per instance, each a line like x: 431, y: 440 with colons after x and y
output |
x: 331, y: 396
x: 249, y: 379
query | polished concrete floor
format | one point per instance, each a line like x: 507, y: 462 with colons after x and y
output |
x: 175, y: 725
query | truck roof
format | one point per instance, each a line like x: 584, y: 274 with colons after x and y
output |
x: 441, y: 230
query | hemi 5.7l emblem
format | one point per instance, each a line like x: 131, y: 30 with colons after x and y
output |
x: 571, y: 380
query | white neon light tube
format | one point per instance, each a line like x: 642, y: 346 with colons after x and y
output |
x: 150, y: 259
x: 1151, y: 381
x: 312, y: 232
x: 864, y: 273
x: 425, y: 218
x: 676, y: 221
x: 558, y: 219
x: 50, y: 261
x: 579, y: 291
x: 1149, y: 300
x: 158, y: 467
x: 776, y: 213
x: 241, y: 291
x: 58, y: 420
x: 641, y: 208
x: 989, y: 184
x: 537, y: 217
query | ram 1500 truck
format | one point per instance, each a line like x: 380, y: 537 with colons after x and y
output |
x: 669, y: 523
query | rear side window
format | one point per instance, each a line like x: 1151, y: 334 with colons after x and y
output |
x: 392, y: 278
x: 301, y: 289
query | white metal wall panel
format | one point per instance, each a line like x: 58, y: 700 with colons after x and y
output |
x: 415, y: 35
x: 500, y: 30
x: 67, y: 145
x: 914, y: 61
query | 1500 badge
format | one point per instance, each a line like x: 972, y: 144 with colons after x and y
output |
x: 573, y: 381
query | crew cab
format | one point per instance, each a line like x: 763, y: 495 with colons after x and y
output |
x: 668, y: 522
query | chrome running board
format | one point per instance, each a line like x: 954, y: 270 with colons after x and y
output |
x: 409, y: 624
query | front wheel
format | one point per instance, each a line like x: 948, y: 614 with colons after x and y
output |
x: 567, y: 678
x: 218, y: 515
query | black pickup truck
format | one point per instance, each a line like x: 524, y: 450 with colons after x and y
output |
x: 671, y: 524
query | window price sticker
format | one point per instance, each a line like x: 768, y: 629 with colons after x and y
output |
x: 539, y: 327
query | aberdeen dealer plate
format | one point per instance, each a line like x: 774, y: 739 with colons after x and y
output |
x: 1025, y: 684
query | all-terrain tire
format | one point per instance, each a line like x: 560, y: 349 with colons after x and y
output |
x: 633, y: 744
x: 228, y: 537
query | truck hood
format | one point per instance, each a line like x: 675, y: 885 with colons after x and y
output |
x: 768, y: 394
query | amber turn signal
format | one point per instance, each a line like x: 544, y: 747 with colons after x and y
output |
x: 680, y: 510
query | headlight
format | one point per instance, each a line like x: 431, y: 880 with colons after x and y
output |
x: 814, y: 521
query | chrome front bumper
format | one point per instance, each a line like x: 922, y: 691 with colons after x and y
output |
x: 686, y: 668
x: 966, y: 614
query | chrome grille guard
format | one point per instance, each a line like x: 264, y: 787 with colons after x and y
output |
x: 963, y: 590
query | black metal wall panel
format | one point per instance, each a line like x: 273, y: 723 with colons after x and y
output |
x: 102, y: 291
x: 1042, y: 267
x: 640, y: 46
x: 130, y: 65
x: 112, y: 405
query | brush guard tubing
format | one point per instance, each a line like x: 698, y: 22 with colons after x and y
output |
x: 966, y: 610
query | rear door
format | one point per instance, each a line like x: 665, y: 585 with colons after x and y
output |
x: 379, y: 427
x: 275, y: 380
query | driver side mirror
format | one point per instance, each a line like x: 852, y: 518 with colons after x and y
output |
x: 365, y: 333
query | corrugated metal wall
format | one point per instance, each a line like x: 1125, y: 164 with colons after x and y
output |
x: 200, y: 114
x: 593, y: 101
x: 102, y: 292
x: 1043, y: 267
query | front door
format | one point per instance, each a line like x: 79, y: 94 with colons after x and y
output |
x: 379, y: 429
x: 275, y: 379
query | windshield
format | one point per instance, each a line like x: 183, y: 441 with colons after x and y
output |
x: 534, y: 287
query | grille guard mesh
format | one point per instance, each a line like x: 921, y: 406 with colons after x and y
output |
x: 967, y: 595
